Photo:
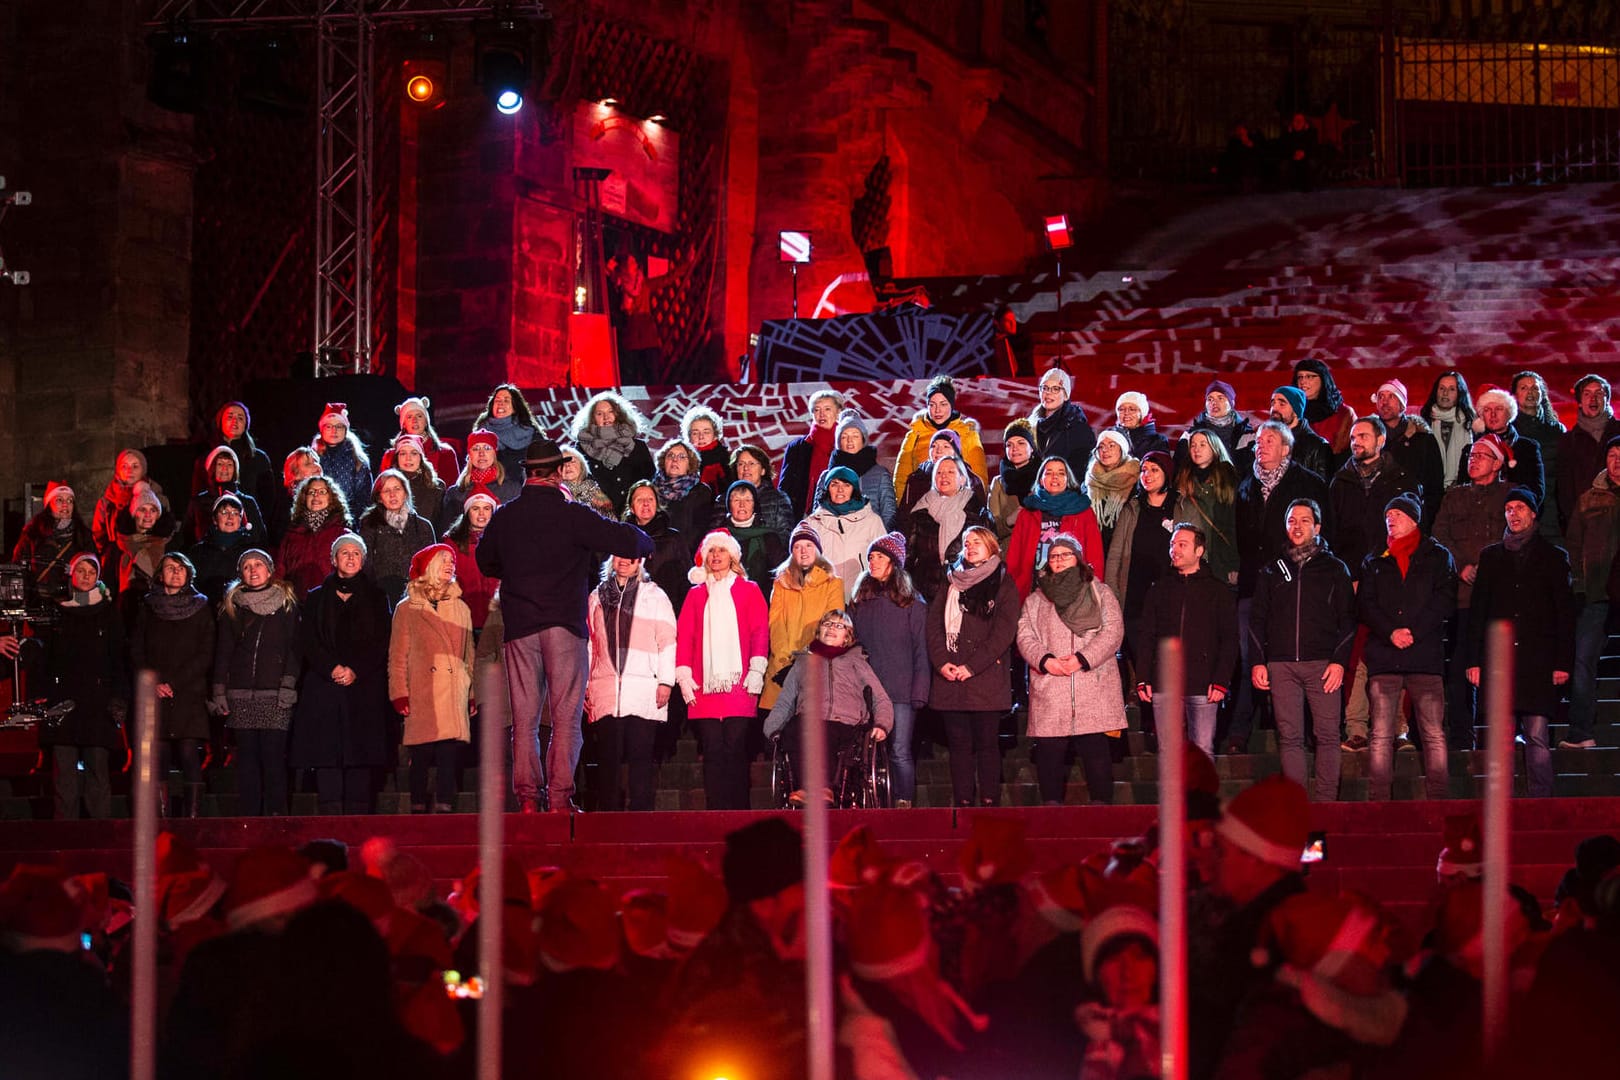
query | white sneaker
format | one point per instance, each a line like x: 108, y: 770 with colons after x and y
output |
x: 1578, y: 744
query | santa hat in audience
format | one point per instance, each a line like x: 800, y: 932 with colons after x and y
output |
x: 644, y: 920
x: 804, y: 531
x: 1125, y: 916
x: 176, y: 855
x: 540, y: 881
x: 1394, y: 386
x: 335, y: 410
x: 481, y: 494
x: 1497, y: 447
x: 723, y: 539
x: 514, y: 888
x: 890, y: 942
x: 413, y: 404
x: 55, y: 488
x: 1133, y: 397
x: 422, y: 559
x: 858, y: 860
x: 188, y: 896
x: 1334, y: 951
x: 1202, y: 782
x: 84, y: 556
x: 996, y: 852
x: 1270, y: 820
x: 366, y: 894
x: 893, y: 545
x: 215, y: 454
x: 267, y: 882
x: 1501, y: 397
x: 229, y: 498
x: 36, y: 912
x: 480, y: 437
x: 697, y: 900
x: 1457, y: 933
x: 579, y: 928
x: 1062, y: 896
x: 1463, y: 854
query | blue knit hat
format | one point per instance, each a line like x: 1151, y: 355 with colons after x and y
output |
x: 1296, y: 399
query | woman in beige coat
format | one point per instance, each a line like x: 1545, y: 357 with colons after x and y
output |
x: 430, y: 658
x: 1068, y: 633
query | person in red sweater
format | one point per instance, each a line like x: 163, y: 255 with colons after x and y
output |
x: 1057, y: 505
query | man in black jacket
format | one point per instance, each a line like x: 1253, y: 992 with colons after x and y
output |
x: 1301, y: 630
x: 1190, y: 604
x: 1580, y: 451
x: 1361, y: 490
x: 543, y: 546
x: 1272, y: 484
x: 1405, y: 596
x: 1526, y: 579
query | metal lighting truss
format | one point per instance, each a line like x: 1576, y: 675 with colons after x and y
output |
x: 345, y: 90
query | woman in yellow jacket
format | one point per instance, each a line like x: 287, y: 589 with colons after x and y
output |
x: 940, y: 413
x: 806, y: 589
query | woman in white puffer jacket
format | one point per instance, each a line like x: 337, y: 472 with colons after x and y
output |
x: 632, y: 644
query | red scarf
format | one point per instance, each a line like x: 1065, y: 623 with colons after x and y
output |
x: 822, y: 441
x: 480, y: 476
x: 1402, y: 548
x: 713, y: 474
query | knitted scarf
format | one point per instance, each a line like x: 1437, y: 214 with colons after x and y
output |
x: 961, y: 577
x: 95, y: 596
x: 315, y: 519
x: 267, y: 599
x: 1595, y: 426
x: 751, y: 536
x: 397, y: 519
x: 1075, y: 600
x: 1299, y: 553
x: 618, y: 608
x: 860, y: 462
x: 173, y: 607
x: 476, y: 476
x: 1110, y: 488
x: 716, y: 464
x: 510, y: 433
x: 1064, y: 504
x: 831, y: 652
x: 1515, y: 542
x: 1269, y: 478
x: 608, y: 443
x: 1019, y: 480
x: 1402, y: 547
x: 949, y: 513
x: 1453, y: 436
x: 672, y: 489
x: 722, y: 640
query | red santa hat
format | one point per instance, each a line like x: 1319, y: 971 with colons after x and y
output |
x: 540, y: 881
x: 176, y: 855
x: 996, y: 852
x: 888, y: 933
x: 335, y: 410
x: 515, y: 888
x: 36, y: 912
x: 480, y: 437
x: 481, y: 494
x: 267, y: 882
x: 1459, y: 925
x: 1062, y: 896
x: 1114, y: 920
x: 55, y: 488
x: 84, y: 556
x: 1497, y: 447
x: 413, y: 936
x: 1337, y: 938
x: 644, y: 919
x: 420, y: 561
x: 717, y: 538
x: 188, y: 896
x: 579, y: 928
x: 857, y: 860
x: 1269, y: 820
x: 697, y: 900
x: 405, y: 438
x: 215, y: 454
x: 1463, y: 853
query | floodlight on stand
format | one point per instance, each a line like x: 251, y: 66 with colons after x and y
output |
x: 501, y: 62
x: 794, y: 248
x: 1058, y: 239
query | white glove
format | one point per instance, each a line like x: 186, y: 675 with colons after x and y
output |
x: 754, y: 681
x: 684, y: 683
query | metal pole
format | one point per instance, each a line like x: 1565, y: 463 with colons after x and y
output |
x: 795, y: 289
x: 815, y: 712
x: 491, y: 886
x: 143, y: 980
x: 1168, y: 706
x: 1498, y: 807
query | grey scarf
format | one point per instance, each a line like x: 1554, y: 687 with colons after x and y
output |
x: 948, y: 511
x: 609, y: 445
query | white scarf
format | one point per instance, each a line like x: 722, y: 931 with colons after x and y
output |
x: 722, y: 647
x: 1454, y: 437
x: 953, y: 617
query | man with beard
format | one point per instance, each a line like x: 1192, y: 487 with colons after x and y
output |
x: 1580, y: 452
x: 1411, y: 443
x: 1310, y: 451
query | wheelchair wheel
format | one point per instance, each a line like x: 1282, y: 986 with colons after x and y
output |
x: 878, y: 794
x: 781, y: 774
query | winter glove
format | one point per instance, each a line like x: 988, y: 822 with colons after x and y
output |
x: 217, y: 705
x: 287, y: 695
x: 402, y: 705
x: 688, y: 688
x: 754, y: 682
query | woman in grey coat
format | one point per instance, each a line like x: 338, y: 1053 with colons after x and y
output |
x: 1069, y: 631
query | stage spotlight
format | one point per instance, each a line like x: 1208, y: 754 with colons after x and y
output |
x: 658, y: 118
x: 178, y: 77
x: 426, y: 69
x: 501, y: 62
x: 420, y: 88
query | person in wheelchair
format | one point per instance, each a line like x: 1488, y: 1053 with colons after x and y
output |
x: 852, y: 685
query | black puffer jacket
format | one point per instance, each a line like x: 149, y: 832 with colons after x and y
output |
x: 1200, y: 610
x: 1305, y: 612
x: 215, y: 557
x: 1421, y: 602
x: 1067, y: 434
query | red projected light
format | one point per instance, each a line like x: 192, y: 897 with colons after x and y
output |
x: 1057, y: 232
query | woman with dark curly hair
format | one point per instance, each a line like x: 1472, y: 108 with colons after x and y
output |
x: 613, y: 437
x: 681, y: 494
x: 320, y: 514
x: 508, y: 415
x: 1325, y: 408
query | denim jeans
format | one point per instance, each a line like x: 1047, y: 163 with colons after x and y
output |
x: 1201, y: 716
x: 1591, y: 634
x: 902, y: 766
x: 1538, y: 766
x: 1428, y: 708
x: 545, y: 679
x: 1294, y: 685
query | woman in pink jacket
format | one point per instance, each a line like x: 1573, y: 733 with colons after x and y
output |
x: 721, y: 643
